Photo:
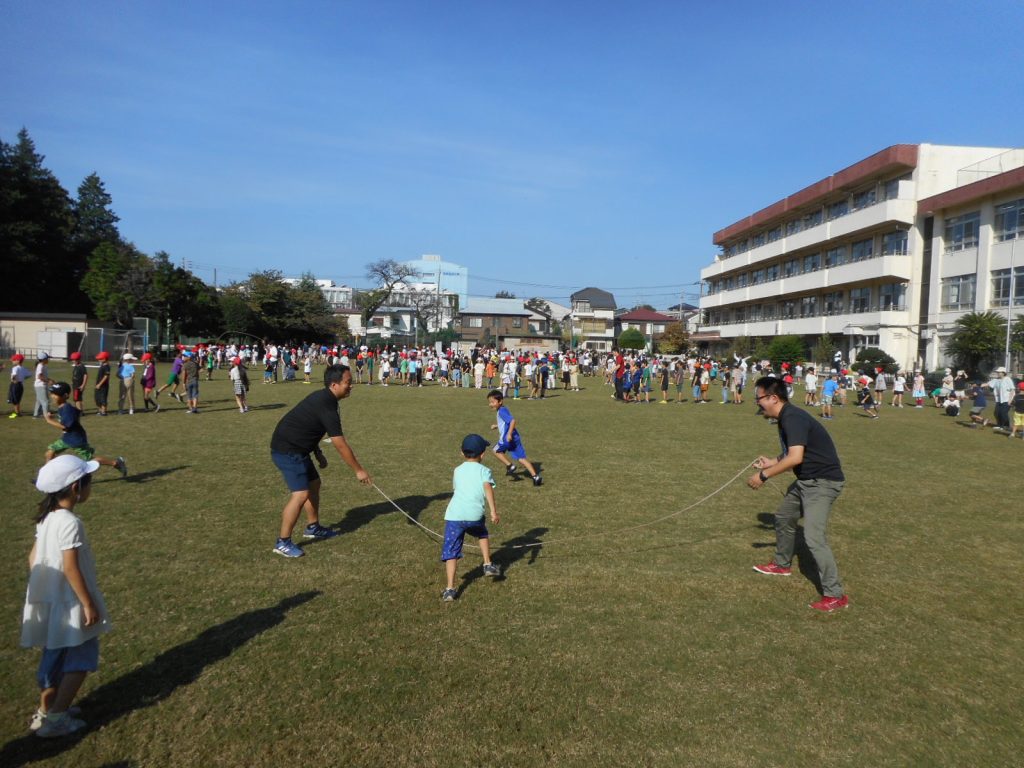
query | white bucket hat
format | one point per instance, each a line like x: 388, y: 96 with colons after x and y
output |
x: 59, y: 473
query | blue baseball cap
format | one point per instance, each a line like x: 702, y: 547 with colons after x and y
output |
x: 474, y: 444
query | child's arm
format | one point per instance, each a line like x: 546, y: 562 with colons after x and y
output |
x: 32, y: 556
x: 489, y: 495
x: 77, y: 582
x: 52, y: 421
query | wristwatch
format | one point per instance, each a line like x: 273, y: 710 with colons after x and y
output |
x: 761, y: 475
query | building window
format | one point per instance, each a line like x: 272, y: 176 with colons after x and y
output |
x: 812, y: 219
x: 743, y: 247
x: 860, y: 299
x: 834, y: 303
x: 962, y: 232
x: 741, y: 281
x: 730, y: 251
x: 476, y: 322
x: 809, y: 306
x: 771, y: 272
x: 758, y: 277
x: 788, y: 310
x: 759, y: 239
x: 958, y: 292
x: 892, y: 297
x: 775, y: 234
x: 1001, y: 287
x: 517, y: 322
x: 812, y: 263
x: 835, y: 256
x: 756, y: 311
x: 581, y: 306
x: 791, y: 267
x: 837, y: 209
x: 792, y: 227
x: 1009, y: 220
x: 864, y: 199
x: 862, y: 250
x: 894, y: 243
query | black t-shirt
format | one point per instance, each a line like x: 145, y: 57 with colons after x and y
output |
x: 78, y: 376
x: 798, y: 427
x: 302, y: 427
x: 103, y: 373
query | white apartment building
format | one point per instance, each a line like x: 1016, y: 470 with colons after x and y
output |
x: 849, y: 256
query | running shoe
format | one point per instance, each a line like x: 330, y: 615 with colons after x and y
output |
x: 54, y: 726
x: 121, y: 466
x: 448, y: 595
x: 771, y: 569
x: 317, y: 531
x: 829, y: 604
x: 490, y: 569
x: 286, y: 548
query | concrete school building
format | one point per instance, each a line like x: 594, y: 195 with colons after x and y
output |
x: 887, y: 253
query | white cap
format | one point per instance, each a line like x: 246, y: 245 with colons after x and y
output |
x: 128, y: 356
x: 1000, y: 369
x: 59, y: 473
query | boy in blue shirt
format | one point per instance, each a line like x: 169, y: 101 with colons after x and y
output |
x: 828, y: 394
x: 473, y: 486
x: 74, y: 439
x: 509, y: 441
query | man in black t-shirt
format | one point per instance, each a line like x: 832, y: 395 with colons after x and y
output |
x: 297, y: 436
x: 808, y: 450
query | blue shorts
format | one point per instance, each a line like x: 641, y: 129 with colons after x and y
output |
x: 57, y: 662
x: 192, y: 388
x: 515, y: 450
x: 455, y: 531
x: 298, y: 470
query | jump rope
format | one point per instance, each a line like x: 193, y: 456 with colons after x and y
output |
x: 574, y: 539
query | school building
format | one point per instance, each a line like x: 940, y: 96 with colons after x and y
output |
x: 886, y: 253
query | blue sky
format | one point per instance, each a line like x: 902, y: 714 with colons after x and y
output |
x: 546, y: 146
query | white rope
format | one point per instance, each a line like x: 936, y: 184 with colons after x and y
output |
x: 636, y: 527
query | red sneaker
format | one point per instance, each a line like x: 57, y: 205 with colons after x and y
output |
x: 771, y: 569
x: 829, y: 604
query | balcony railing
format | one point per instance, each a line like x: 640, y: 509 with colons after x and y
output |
x: 858, y: 310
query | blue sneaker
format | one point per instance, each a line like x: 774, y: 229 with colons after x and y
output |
x: 317, y: 531
x: 449, y: 595
x: 492, y: 570
x: 286, y: 548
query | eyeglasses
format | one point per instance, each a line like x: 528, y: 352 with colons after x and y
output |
x: 759, y: 399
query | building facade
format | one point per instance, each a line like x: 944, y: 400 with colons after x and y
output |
x: 442, y: 276
x: 847, y: 256
x: 592, y: 319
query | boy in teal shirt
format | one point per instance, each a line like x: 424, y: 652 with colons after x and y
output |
x: 473, y: 488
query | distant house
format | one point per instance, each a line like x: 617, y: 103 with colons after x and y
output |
x: 592, y: 319
x: 688, y: 314
x: 504, y: 323
x: 647, y: 321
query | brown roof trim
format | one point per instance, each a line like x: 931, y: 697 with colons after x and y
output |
x: 993, y: 185
x: 896, y: 157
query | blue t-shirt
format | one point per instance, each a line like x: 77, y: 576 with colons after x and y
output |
x: 504, y: 422
x: 469, y: 502
x: 70, y: 420
x: 830, y: 387
x: 980, y: 401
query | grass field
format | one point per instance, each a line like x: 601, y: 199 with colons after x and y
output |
x: 652, y: 647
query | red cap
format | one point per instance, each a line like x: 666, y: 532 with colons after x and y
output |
x: 103, y: 356
x: 1021, y: 386
x: 147, y: 356
x: 75, y: 356
x: 236, y: 361
x: 17, y: 358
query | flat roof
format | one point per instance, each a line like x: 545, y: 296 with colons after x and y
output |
x: 898, y: 157
x: 993, y: 185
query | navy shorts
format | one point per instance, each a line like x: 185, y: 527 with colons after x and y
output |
x: 57, y: 662
x: 454, y: 533
x: 298, y: 470
x: 515, y: 449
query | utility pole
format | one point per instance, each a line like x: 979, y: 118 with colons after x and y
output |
x: 1009, y: 303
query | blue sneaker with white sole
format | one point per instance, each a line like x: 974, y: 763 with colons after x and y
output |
x: 317, y: 531
x: 287, y: 548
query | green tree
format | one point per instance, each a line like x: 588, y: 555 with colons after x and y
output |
x: 37, y: 266
x: 95, y: 223
x: 311, y: 316
x: 118, y: 282
x: 978, y: 341
x: 742, y: 346
x: 823, y: 352
x: 1017, y: 338
x: 631, y: 338
x: 236, y: 312
x: 674, y: 340
x: 504, y: 295
x: 873, y: 358
x: 786, y: 349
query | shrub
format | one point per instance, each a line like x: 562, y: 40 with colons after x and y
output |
x: 631, y: 338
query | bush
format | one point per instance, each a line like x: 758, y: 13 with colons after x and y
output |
x: 870, y: 358
x: 631, y: 338
x: 786, y: 349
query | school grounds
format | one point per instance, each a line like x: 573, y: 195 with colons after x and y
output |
x: 656, y: 646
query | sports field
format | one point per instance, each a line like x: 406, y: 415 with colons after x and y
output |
x: 657, y: 646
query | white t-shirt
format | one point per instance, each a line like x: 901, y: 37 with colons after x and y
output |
x: 53, y: 616
x: 19, y: 373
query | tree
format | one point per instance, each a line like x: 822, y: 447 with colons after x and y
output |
x: 631, y: 338
x: 1017, y: 337
x: 786, y: 349
x: 386, y: 274
x: 824, y: 351
x: 674, y: 340
x: 95, y: 223
x: 648, y: 307
x: 743, y: 346
x: 979, y: 341
x: 118, y: 282
x: 872, y: 358
x: 504, y: 295
x: 35, y: 234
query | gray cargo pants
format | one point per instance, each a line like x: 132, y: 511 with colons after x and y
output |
x: 814, y: 498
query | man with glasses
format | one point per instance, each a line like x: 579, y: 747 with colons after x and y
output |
x: 808, y: 450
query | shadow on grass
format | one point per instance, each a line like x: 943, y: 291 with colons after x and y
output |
x: 155, y: 681
x: 805, y: 560
x: 357, y: 517
x: 143, y: 477
x: 507, y: 556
